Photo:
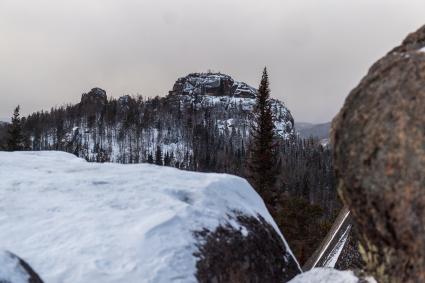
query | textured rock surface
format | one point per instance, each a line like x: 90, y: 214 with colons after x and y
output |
x: 94, y: 98
x: 379, y: 141
x: 256, y: 253
x: 214, y: 84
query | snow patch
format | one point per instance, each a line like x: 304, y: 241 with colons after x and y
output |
x: 76, y: 221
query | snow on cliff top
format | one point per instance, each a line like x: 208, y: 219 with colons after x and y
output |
x: 75, y: 221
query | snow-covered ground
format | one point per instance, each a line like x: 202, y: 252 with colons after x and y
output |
x: 75, y: 221
x: 325, y: 275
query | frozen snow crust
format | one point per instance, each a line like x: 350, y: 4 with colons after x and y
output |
x: 325, y: 275
x: 75, y: 221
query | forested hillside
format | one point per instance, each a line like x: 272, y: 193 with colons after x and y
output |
x: 203, y: 124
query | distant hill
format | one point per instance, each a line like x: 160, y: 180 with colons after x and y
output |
x: 320, y: 131
x: 203, y: 121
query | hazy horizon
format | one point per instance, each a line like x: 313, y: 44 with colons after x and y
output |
x: 315, y: 53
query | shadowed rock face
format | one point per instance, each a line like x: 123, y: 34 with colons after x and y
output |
x: 379, y: 156
x: 94, y: 100
x: 255, y: 254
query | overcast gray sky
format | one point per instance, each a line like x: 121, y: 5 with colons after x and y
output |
x: 51, y: 51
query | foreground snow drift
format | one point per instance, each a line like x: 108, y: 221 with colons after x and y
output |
x: 330, y: 275
x: 74, y: 221
x: 326, y: 275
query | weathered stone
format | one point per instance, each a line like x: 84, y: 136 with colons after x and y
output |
x: 95, y: 96
x: 379, y: 156
x: 254, y: 253
x: 214, y: 84
x: 92, y: 104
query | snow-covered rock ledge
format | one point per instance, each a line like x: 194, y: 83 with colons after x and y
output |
x: 75, y: 221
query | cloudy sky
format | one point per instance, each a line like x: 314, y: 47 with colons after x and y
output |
x: 51, y: 51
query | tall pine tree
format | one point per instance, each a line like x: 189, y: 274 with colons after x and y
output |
x: 262, y: 163
x: 158, y: 156
x: 16, y: 138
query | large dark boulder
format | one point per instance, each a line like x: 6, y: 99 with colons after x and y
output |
x: 379, y: 156
x: 15, y: 270
x: 253, y: 252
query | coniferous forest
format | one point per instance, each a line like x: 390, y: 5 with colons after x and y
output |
x: 206, y: 124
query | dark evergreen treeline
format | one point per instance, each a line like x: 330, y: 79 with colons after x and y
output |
x: 199, y: 134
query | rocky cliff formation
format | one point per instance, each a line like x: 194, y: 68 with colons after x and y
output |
x: 201, y: 112
x: 215, y: 84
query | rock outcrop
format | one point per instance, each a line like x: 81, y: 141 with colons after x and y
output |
x: 94, y: 96
x: 214, y: 84
x: 15, y: 270
x: 93, y: 101
x: 137, y: 223
x: 130, y: 129
x: 379, y: 156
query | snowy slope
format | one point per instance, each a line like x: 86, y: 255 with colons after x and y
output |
x: 325, y: 275
x: 330, y: 275
x: 75, y: 221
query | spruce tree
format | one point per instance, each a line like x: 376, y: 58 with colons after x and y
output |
x: 16, y: 139
x: 150, y: 158
x: 262, y: 164
x: 158, y: 156
x: 167, y: 160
